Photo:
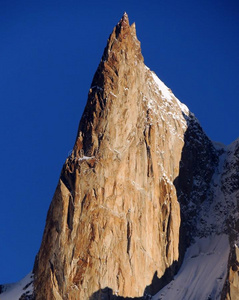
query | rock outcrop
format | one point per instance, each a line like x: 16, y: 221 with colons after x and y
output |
x: 136, y: 190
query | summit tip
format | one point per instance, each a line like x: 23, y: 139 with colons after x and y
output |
x: 125, y: 15
x: 124, y: 19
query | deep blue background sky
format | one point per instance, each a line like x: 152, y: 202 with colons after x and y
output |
x: 49, y: 51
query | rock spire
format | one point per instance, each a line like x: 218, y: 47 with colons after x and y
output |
x: 136, y: 189
x: 101, y: 231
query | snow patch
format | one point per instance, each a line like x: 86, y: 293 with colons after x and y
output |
x: 113, y: 94
x: 162, y: 87
x: 14, y: 291
x: 86, y: 158
x: 167, y: 93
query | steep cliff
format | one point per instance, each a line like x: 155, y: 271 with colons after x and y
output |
x: 113, y: 224
x: 140, y: 186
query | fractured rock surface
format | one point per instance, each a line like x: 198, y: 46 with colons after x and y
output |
x: 135, y: 191
x: 114, y: 219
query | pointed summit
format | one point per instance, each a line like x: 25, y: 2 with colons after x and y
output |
x: 123, y: 26
x: 122, y: 56
x: 124, y: 21
x: 125, y: 14
x: 122, y: 47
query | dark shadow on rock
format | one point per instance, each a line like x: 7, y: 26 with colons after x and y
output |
x: 156, y: 285
x: 198, y: 161
x: 197, y: 165
x: 107, y: 294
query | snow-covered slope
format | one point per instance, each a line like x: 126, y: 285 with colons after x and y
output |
x: 22, y: 289
x: 203, y: 272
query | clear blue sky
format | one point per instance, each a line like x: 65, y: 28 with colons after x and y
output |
x: 48, y: 55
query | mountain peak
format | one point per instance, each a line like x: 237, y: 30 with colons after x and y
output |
x: 122, y: 48
x: 123, y: 30
x: 142, y: 183
x: 115, y: 179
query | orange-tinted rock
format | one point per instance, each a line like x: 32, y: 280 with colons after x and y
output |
x: 113, y: 224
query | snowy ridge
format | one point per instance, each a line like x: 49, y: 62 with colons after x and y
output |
x: 22, y: 288
x: 164, y: 92
x: 165, y: 110
x: 167, y: 93
x: 163, y: 106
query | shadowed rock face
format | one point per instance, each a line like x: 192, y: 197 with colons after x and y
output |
x: 115, y: 228
x: 114, y: 219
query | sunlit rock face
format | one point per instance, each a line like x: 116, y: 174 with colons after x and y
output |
x: 138, y: 187
x: 114, y: 220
